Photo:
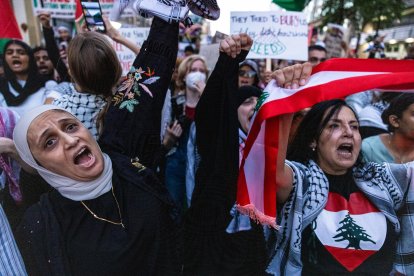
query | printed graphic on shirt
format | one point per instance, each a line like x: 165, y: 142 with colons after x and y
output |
x: 351, y: 231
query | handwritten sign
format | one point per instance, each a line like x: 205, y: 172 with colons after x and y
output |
x: 126, y: 56
x: 281, y: 35
x: 65, y: 9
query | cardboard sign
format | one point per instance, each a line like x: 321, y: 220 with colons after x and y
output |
x: 126, y: 56
x: 210, y: 53
x: 65, y: 9
x: 281, y: 35
x: 334, y: 42
x: 218, y: 36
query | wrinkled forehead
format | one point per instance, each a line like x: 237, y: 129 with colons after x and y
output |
x: 21, y: 130
x: 44, y: 119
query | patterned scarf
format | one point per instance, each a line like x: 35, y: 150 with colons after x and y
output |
x: 7, y: 122
x: 336, y: 78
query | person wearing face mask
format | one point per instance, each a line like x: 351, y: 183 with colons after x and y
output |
x: 179, y: 130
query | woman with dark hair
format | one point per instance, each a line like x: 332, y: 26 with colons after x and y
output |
x: 313, y: 126
x: 396, y: 146
x: 337, y: 214
x: 370, y: 122
x: 22, y: 87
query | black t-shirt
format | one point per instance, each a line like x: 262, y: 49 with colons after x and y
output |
x: 362, y: 251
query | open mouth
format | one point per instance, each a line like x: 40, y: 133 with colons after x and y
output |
x: 84, y: 158
x: 16, y: 62
x: 345, y: 149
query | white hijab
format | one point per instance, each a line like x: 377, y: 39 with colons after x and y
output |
x: 67, y: 187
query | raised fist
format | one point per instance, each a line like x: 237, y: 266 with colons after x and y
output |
x: 232, y: 45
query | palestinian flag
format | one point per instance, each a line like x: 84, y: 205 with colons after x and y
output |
x: 78, y: 11
x: 8, y: 24
x: 351, y: 231
x: 332, y: 79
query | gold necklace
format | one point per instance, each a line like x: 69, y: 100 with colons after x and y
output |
x: 107, y: 220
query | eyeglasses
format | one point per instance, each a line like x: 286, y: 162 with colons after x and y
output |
x: 247, y: 74
x: 316, y: 60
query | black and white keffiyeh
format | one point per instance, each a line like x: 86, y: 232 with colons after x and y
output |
x: 85, y: 107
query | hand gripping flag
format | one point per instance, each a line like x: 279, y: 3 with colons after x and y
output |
x: 335, y: 78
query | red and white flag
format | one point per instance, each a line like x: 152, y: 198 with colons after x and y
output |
x: 335, y: 78
x: 8, y: 22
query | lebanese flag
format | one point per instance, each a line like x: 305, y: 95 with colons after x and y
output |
x: 351, y: 231
x: 332, y: 79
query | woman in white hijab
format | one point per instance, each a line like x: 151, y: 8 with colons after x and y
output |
x: 108, y: 214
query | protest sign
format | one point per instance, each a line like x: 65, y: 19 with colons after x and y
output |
x: 211, y: 53
x: 281, y: 35
x: 126, y: 56
x: 65, y: 9
x: 334, y: 42
x: 218, y: 36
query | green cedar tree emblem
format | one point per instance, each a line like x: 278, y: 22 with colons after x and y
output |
x: 261, y: 100
x: 351, y: 232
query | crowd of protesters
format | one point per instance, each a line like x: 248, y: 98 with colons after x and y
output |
x: 104, y: 174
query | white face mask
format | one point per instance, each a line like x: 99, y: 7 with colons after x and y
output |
x: 192, y: 78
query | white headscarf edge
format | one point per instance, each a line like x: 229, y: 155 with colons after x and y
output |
x: 68, y: 187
